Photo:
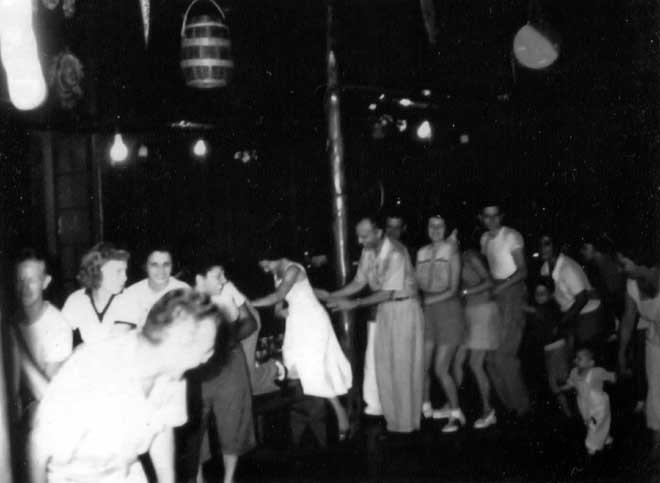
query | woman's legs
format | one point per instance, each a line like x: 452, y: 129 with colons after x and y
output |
x: 429, y: 348
x: 477, y: 358
x: 459, y: 362
x: 443, y: 359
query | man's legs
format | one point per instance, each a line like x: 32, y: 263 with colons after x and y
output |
x: 508, y: 379
x: 370, y: 385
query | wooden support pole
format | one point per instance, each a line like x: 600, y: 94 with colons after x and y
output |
x: 335, y: 146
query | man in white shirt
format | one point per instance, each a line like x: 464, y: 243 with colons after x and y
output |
x: 582, y: 315
x: 42, y: 337
x: 504, y: 249
x: 159, y: 281
x: 122, y: 396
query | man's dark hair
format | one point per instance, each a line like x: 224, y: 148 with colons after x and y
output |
x: 202, y: 264
x: 30, y: 254
x: 601, y: 242
x: 488, y: 203
x: 376, y: 220
x: 556, y: 245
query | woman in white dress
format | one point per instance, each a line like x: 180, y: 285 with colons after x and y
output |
x: 311, y: 350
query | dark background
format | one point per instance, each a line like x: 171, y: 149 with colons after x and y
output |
x: 570, y: 148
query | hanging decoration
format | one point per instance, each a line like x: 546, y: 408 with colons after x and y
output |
x: 20, y: 57
x: 206, y: 59
x: 533, y: 46
x: 533, y: 49
x: 68, y: 6
x: 430, y: 24
x: 145, y: 8
x: 65, y: 78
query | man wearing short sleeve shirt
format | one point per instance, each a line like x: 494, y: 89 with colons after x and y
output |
x: 386, y: 268
x: 43, y: 338
x: 504, y: 249
x: 581, y: 313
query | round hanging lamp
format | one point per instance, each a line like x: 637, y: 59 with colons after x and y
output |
x: 533, y: 49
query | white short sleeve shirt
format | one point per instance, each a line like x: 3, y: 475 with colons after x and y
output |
x: 97, y: 417
x: 229, y: 299
x: 569, y: 280
x: 49, y: 339
x: 390, y: 269
x: 79, y: 312
x: 499, y: 251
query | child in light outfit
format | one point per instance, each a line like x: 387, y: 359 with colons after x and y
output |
x: 593, y: 402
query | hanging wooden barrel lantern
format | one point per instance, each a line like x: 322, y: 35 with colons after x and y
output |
x: 206, y: 59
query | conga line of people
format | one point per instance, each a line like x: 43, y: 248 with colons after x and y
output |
x: 88, y: 413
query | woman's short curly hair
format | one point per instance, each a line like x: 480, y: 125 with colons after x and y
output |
x: 89, y: 273
x: 175, y: 304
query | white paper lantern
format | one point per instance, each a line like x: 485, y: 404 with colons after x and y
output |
x: 18, y: 50
x: 533, y: 49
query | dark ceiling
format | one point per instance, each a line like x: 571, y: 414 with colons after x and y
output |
x: 574, y: 143
x: 278, y: 47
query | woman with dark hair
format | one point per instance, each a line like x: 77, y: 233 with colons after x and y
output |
x: 311, y: 351
x: 224, y: 381
x: 121, y: 397
x: 158, y: 267
x: 98, y: 310
x: 642, y: 302
x: 438, y: 272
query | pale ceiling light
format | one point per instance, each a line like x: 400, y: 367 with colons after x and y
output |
x: 424, y: 130
x: 200, y: 149
x: 18, y: 50
x: 118, y: 150
x: 533, y: 49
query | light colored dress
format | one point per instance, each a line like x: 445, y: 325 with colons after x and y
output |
x: 594, y: 405
x: 482, y: 314
x: 310, y: 348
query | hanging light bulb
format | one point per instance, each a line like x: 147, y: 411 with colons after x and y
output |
x: 18, y: 50
x: 118, y: 150
x: 533, y: 49
x: 143, y: 151
x: 200, y: 149
x: 424, y: 130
